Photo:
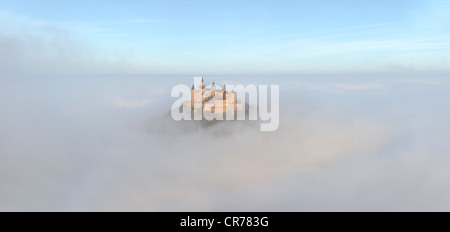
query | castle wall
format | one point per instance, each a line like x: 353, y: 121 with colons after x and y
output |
x: 222, y: 101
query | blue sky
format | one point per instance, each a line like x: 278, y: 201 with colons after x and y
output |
x: 254, y: 37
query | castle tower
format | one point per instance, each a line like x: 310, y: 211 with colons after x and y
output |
x: 224, y: 98
x: 224, y: 91
x: 192, y: 96
x: 213, y: 90
x: 203, y: 85
x: 233, y: 96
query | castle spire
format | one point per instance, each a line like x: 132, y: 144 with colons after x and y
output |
x: 193, y: 87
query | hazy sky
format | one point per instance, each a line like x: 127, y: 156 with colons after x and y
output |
x: 254, y: 37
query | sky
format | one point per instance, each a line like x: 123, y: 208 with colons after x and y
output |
x: 236, y: 37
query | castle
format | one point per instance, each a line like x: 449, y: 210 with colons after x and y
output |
x: 212, y: 99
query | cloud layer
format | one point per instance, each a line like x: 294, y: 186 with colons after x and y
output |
x: 90, y: 143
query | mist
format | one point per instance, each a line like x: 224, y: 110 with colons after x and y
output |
x: 108, y: 143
